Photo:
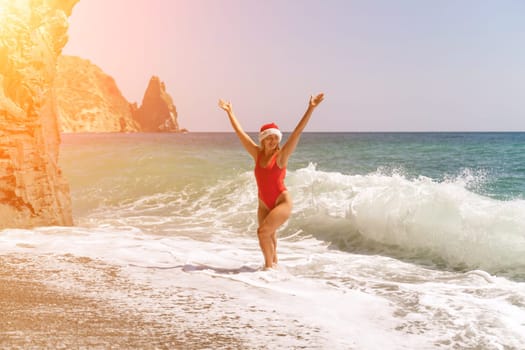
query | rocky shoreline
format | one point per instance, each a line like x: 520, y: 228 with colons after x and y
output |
x: 33, y: 191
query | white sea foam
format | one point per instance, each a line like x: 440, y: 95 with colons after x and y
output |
x: 439, y: 222
x: 435, y: 219
x: 319, y: 298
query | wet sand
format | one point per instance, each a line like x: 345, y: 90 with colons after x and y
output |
x: 36, y: 315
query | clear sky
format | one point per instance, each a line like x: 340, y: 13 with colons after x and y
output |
x: 384, y: 65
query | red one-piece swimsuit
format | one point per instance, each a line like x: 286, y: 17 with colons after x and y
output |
x: 270, y: 181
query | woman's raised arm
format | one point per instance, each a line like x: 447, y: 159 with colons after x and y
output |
x: 293, y: 140
x: 246, y: 140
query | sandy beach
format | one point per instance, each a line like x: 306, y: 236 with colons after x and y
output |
x: 35, y: 315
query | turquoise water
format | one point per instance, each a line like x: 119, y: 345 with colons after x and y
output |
x: 494, y: 162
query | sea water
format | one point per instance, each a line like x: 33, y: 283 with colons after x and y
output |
x: 396, y: 241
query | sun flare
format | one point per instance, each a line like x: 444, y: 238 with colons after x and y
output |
x: 3, y: 6
x: 6, y: 5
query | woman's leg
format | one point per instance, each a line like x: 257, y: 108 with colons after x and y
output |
x: 269, y: 222
x: 274, y: 241
x: 262, y: 213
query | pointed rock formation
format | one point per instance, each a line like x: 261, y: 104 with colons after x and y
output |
x: 33, y: 191
x: 89, y: 100
x: 157, y: 112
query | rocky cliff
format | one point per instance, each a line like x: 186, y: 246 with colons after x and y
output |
x: 33, y: 191
x: 88, y: 100
x: 157, y: 112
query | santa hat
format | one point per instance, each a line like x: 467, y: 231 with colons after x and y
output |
x: 270, y: 129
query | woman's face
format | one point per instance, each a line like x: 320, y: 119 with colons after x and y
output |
x: 270, y: 142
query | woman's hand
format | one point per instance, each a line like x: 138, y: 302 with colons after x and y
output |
x: 315, y: 101
x: 227, y: 106
x: 246, y: 140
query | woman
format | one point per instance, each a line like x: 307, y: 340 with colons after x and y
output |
x: 275, y: 203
